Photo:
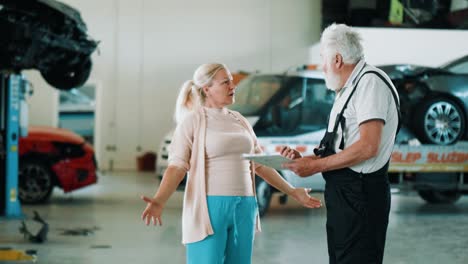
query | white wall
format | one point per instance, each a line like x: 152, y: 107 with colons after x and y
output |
x: 43, y: 105
x: 428, y: 47
x: 149, y: 47
x: 294, y: 25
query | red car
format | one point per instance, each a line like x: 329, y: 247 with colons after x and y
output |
x: 51, y: 157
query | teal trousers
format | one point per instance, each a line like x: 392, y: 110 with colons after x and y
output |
x: 233, y: 220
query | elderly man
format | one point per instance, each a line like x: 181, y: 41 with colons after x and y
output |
x: 354, y: 154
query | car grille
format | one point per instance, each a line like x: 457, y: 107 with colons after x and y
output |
x: 82, y: 175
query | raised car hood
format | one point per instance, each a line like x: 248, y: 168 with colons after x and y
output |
x: 54, y: 134
x: 397, y: 71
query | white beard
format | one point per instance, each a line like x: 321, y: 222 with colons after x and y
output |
x: 332, y: 81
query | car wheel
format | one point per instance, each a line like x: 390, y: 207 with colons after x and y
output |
x: 68, y: 77
x: 263, y: 191
x: 440, y: 197
x: 35, y: 182
x: 440, y: 121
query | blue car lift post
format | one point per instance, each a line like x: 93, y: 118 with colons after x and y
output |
x: 10, y: 104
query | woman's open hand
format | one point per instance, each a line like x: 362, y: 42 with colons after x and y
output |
x: 152, y: 212
x: 302, y: 196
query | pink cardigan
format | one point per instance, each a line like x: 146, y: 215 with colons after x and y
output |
x: 196, y: 223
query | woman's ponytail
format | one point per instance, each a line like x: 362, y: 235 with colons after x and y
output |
x: 184, y: 103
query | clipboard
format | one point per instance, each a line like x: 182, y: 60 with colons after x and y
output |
x: 273, y: 161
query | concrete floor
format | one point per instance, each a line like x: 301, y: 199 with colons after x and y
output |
x: 418, y: 233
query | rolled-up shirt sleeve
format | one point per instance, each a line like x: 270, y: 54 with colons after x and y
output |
x: 180, y: 148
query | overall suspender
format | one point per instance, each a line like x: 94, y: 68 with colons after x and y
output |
x: 326, y: 147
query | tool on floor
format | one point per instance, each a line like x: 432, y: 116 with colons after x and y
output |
x: 41, y: 236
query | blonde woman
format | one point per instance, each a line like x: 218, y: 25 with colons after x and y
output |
x: 220, y: 214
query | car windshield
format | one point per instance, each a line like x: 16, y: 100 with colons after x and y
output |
x: 74, y: 96
x: 459, y: 66
x: 254, y: 92
x: 76, y: 100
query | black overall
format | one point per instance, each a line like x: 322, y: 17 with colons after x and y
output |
x: 358, y: 204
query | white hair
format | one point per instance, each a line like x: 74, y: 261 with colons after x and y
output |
x: 191, y: 94
x: 344, y: 40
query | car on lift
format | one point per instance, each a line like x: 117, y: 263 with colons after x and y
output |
x: 50, y: 157
x: 48, y: 36
x: 434, y: 101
